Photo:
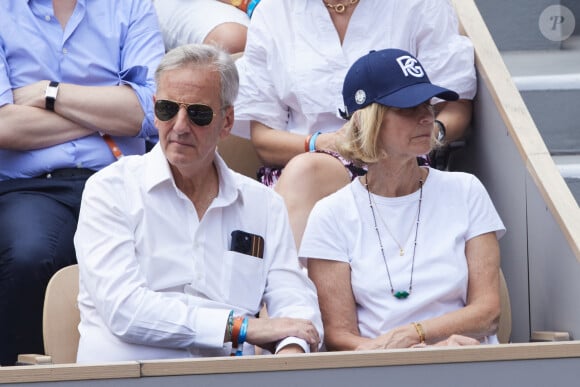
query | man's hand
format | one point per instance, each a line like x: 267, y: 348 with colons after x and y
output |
x: 31, y: 95
x: 266, y: 332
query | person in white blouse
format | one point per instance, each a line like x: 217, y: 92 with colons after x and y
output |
x: 177, y: 253
x: 406, y: 255
x: 220, y: 22
x: 291, y: 73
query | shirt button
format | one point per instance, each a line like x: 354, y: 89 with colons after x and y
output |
x: 47, y: 18
x: 64, y: 51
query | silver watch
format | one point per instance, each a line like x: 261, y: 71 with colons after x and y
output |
x: 50, y: 95
x: 442, y: 132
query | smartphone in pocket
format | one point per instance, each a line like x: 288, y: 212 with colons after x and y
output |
x: 247, y: 243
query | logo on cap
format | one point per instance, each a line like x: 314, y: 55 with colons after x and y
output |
x: 360, y: 97
x: 410, y: 66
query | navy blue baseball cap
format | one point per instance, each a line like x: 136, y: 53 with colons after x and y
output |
x: 391, y: 77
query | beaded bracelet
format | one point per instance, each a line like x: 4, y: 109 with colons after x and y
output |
x: 420, y: 332
x: 242, y: 337
x: 312, y: 142
x: 251, y: 6
x: 307, y: 143
x: 236, y: 334
x: 241, y: 4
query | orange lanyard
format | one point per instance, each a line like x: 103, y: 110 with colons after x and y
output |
x: 114, y: 148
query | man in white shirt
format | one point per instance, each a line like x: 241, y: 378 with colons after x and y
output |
x: 176, y: 252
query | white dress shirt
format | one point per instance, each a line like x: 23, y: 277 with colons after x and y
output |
x: 293, y: 67
x: 455, y: 208
x: 157, y: 282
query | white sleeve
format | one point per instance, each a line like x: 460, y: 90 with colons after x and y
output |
x: 289, y: 292
x: 111, y: 275
x: 447, y: 56
x: 258, y: 98
x: 323, y: 237
x: 483, y: 217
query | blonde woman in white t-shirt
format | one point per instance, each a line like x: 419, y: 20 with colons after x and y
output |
x: 405, y: 255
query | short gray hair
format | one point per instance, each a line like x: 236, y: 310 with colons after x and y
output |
x: 204, y: 55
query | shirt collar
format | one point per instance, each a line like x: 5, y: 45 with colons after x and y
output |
x: 158, y: 171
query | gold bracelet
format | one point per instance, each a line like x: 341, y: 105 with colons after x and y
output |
x: 420, y: 332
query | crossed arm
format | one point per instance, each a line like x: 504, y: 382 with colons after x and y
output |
x: 79, y: 111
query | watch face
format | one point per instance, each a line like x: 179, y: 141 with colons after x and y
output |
x: 441, y: 132
x: 51, y: 92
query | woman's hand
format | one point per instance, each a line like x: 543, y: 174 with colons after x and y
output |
x: 266, y: 332
x: 406, y: 337
x: 401, y: 337
x: 328, y: 141
x: 457, y: 340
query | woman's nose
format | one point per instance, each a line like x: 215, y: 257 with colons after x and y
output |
x: 426, y: 113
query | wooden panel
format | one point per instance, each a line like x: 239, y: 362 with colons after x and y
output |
x: 65, y: 372
x: 61, y: 316
x: 520, y: 125
x: 410, y: 367
x: 430, y: 355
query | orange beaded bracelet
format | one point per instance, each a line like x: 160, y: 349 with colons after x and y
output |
x: 241, y: 4
x: 307, y: 143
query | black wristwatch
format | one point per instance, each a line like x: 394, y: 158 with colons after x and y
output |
x: 442, y: 131
x: 50, y: 95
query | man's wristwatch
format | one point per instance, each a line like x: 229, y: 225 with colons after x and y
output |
x: 442, y: 131
x: 50, y: 95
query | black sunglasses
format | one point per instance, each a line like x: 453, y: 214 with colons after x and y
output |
x: 199, y: 114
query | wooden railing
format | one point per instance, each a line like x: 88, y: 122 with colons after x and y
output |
x: 520, y: 126
x: 536, y: 364
x: 506, y: 151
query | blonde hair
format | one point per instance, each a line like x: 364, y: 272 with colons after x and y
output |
x: 361, y: 135
x: 361, y: 138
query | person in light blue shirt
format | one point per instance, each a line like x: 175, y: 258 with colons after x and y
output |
x: 76, y: 93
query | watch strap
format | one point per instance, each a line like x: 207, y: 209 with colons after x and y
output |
x: 50, y: 95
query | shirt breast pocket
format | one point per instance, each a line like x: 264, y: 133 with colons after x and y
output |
x: 243, y: 280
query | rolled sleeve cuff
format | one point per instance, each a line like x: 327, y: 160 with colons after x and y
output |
x: 293, y: 340
x: 136, y: 78
x: 210, y: 326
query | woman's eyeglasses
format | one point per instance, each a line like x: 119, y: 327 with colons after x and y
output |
x: 199, y: 114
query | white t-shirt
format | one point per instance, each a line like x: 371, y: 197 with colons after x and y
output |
x: 454, y: 209
x: 292, y: 70
x: 158, y: 282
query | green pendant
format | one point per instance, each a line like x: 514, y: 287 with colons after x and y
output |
x: 401, y: 294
